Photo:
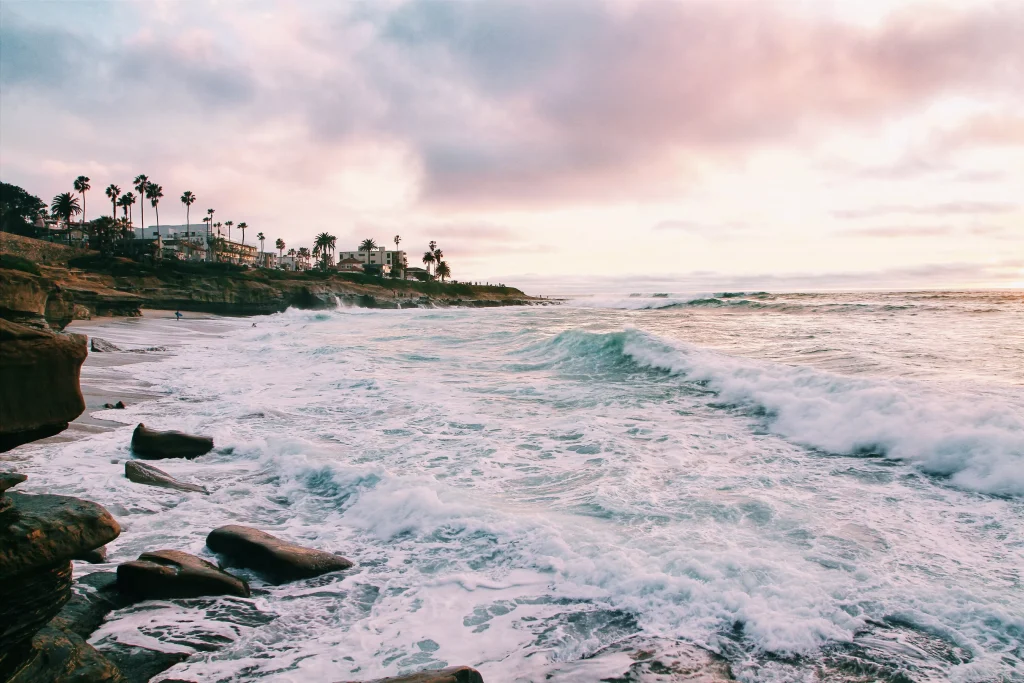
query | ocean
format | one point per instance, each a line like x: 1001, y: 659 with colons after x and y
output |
x: 812, y: 486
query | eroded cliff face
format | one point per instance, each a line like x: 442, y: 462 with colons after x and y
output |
x: 58, y: 296
x: 39, y: 390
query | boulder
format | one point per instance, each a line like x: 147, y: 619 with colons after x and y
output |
x: 143, y: 473
x: 278, y: 560
x: 153, y: 445
x: 167, y: 574
x: 39, y: 392
x: 94, y: 556
x: 453, y: 674
x: 58, y: 656
x: 7, y: 480
x: 97, y: 345
x: 115, y: 406
x: 39, y: 535
x: 94, y: 597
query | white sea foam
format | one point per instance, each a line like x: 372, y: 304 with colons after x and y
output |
x: 979, y: 443
x: 519, y: 488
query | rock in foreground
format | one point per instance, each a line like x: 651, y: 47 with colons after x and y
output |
x: 154, y: 445
x: 39, y: 534
x: 58, y: 656
x: 278, y: 560
x: 167, y: 574
x: 143, y: 473
x: 39, y: 392
x: 453, y: 674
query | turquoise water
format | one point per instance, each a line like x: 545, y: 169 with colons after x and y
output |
x: 815, y: 487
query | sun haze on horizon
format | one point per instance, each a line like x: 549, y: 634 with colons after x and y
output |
x: 686, y: 142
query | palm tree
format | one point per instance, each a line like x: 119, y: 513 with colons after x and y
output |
x: 397, y: 239
x: 442, y: 270
x: 438, y: 255
x: 209, y: 215
x: 123, y: 203
x: 367, y: 245
x: 261, y: 237
x: 188, y: 199
x: 64, y: 206
x: 303, y: 253
x: 242, y: 226
x: 153, y: 193
x: 279, y: 244
x: 291, y: 252
x: 82, y: 186
x: 141, y: 183
x: 112, y: 192
x: 129, y: 201
x: 229, y: 224
x: 323, y: 246
x: 428, y: 259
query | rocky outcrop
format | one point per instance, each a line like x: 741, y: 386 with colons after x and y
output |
x: 142, y: 473
x: 154, y: 445
x: 58, y: 656
x: 97, y: 345
x: 39, y: 535
x: 279, y: 561
x: 453, y: 674
x: 39, y: 392
x: 167, y: 574
x: 59, y: 296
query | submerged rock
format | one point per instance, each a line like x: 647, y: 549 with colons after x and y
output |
x: 116, y: 406
x: 97, y: 345
x: 154, y: 445
x: 94, y: 556
x: 453, y: 674
x: 39, y: 392
x: 166, y: 574
x: 646, y: 660
x: 278, y: 560
x: 143, y: 473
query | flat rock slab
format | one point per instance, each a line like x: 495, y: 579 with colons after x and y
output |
x: 168, y: 574
x: 143, y: 473
x: 41, y: 531
x: 453, y: 674
x: 153, y: 445
x: 278, y: 560
x: 646, y: 660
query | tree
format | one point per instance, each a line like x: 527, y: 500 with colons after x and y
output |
x: 367, y: 245
x: 303, y: 253
x: 242, y: 226
x: 141, y: 183
x: 82, y: 186
x: 428, y: 259
x: 323, y: 248
x: 19, y: 209
x: 153, y: 193
x: 280, y: 245
x: 63, y: 207
x: 126, y: 202
x: 229, y: 224
x: 261, y: 237
x: 291, y: 252
x: 112, y: 192
x: 438, y: 256
x: 188, y: 199
x: 209, y: 216
x: 442, y: 270
x: 103, y: 233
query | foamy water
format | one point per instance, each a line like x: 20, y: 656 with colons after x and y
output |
x: 795, y: 482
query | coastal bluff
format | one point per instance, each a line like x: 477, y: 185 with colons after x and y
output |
x: 52, y: 283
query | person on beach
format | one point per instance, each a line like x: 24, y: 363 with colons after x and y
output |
x: 177, y: 315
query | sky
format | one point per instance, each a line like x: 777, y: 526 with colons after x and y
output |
x: 694, y: 144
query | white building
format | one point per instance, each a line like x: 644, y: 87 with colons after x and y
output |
x: 186, y: 242
x: 294, y: 262
x: 380, y: 256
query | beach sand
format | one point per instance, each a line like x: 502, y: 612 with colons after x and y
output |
x: 103, y: 382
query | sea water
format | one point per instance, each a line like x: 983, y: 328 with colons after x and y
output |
x: 813, y: 486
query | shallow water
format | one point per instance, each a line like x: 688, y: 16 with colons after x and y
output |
x: 816, y: 487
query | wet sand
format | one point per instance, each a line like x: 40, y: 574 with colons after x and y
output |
x: 102, y: 379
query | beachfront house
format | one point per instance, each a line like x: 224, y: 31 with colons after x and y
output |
x: 187, y: 243
x: 269, y: 259
x: 349, y: 265
x: 294, y: 262
x: 379, y: 256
